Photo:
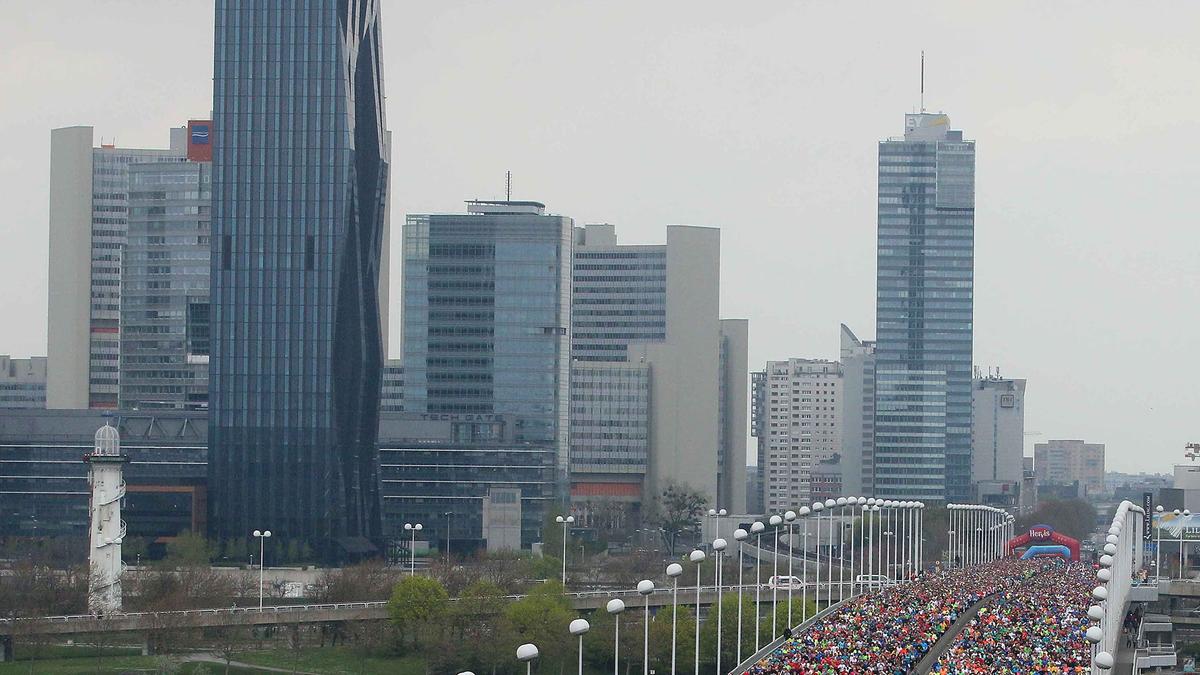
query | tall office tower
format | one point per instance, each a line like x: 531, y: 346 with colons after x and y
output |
x: 89, y: 204
x: 998, y: 439
x: 924, y: 312
x: 299, y: 190
x: 658, y: 379
x: 164, y: 281
x: 22, y: 382
x: 800, y: 425
x: 858, y: 416
x: 486, y: 318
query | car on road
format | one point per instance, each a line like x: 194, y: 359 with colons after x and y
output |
x: 784, y: 583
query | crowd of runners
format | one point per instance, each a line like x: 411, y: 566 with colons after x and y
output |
x: 1035, y: 627
x: 888, y: 632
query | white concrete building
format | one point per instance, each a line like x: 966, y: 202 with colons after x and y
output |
x: 655, y: 309
x: 997, y: 439
x: 799, y: 424
x: 89, y: 205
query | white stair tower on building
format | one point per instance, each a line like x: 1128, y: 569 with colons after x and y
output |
x: 107, y: 529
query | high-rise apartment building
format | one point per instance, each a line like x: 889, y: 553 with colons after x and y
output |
x: 164, y: 342
x: 924, y: 305
x: 799, y: 426
x: 998, y: 439
x: 658, y: 379
x: 1070, y: 462
x: 89, y: 208
x: 858, y: 414
x: 22, y: 382
x: 300, y: 174
x: 486, y: 317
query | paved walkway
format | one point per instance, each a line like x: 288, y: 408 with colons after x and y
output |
x: 212, y: 658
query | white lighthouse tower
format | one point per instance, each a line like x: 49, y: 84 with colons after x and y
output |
x: 107, y: 528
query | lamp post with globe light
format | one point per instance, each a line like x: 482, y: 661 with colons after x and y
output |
x: 775, y: 521
x: 697, y: 557
x: 262, y: 536
x: 566, y: 523
x: 756, y: 528
x: 790, y: 517
x: 804, y: 511
x: 526, y: 653
x: 842, y: 502
x: 719, y: 546
x: 645, y: 587
x: 817, y: 508
x: 615, y: 607
x: 579, y: 627
x: 412, y: 549
x: 673, y: 571
x: 740, y: 536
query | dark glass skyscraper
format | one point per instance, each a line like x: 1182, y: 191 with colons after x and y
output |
x: 299, y: 182
x: 924, y: 305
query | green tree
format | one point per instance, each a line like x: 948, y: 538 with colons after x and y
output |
x: 417, y: 604
x: 293, y: 551
x: 677, y: 510
x: 542, y: 618
x: 189, y: 548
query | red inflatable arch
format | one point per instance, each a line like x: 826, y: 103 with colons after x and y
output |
x: 1044, y: 534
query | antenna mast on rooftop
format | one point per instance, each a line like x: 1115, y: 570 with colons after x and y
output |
x: 922, y: 80
x: 508, y: 186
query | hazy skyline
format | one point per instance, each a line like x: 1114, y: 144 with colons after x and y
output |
x: 761, y: 119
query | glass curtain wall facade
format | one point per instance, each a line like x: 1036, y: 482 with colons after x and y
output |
x: 299, y: 183
x: 487, y: 306
x: 164, y: 294
x: 110, y: 223
x: 924, y: 296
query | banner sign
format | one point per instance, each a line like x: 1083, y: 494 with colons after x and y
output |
x: 1147, y: 515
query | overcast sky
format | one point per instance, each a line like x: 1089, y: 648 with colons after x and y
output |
x: 760, y: 118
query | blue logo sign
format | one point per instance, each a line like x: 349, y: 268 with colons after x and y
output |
x: 200, y: 134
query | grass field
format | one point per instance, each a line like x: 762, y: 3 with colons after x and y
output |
x: 335, y: 661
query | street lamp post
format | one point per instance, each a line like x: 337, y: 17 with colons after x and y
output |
x: 868, y: 563
x: 565, y: 522
x: 412, y: 549
x: 645, y: 587
x: 740, y: 536
x: 718, y: 545
x: 817, y: 508
x: 1157, y: 543
x: 448, y: 514
x: 262, y: 550
x: 804, y: 511
x: 756, y: 528
x: 526, y: 653
x: 697, y: 557
x: 673, y: 571
x: 790, y: 517
x: 578, y: 628
x: 830, y: 505
x: 615, y: 607
x: 775, y: 521
x: 841, y: 502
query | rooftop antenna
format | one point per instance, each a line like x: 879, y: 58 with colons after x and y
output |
x: 922, y: 80
x: 508, y: 186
